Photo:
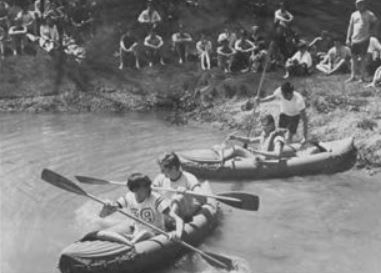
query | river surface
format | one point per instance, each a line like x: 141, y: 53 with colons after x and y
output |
x: 322, y: 224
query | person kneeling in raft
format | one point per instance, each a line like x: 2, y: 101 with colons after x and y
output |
x: 271, y: 141
x: 141, y: 202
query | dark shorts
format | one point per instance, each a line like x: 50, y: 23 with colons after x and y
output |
x: 288, y: 122
x: 360, y: 49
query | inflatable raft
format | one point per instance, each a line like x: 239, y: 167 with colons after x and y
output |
x: 104, y: 256
x: 237, y: 163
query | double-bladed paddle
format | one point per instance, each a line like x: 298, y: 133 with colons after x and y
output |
x: 66, y: 184
x: 241, y: 200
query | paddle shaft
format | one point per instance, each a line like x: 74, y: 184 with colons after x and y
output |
x: 259, y: 89
x: 159, y: 231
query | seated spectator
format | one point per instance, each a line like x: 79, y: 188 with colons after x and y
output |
x: 225, y: 55
x: 259, y: 57
x: 180, y: 43
x: 49, y: 37
x: 336, y: 60
x: 374, y: 55
x: 376, y: 78
x: 320, y: 46
x: 149, y: 16
x: 283, y: 17
x: 204, y: 48
x: 128, y: 46
x: 71, y: 48
x: 244, y: 48
x: 2, y: 40
x: 227, y: 35
x: 28, y: 20
x: 4, y: 15
x: 300, y: 63
x: 18, y: 34
x: 82, y: 21
x: 154, y: 43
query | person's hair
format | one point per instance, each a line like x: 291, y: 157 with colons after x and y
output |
x: 137, y: 180
x: 169, y: 160
x: 267, y: 119
x: 287, y: 88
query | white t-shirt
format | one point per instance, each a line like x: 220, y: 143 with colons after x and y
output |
x: 150, y: 210
x: 360, y: 24
x: 291, y: 107
x: 152, y: 18
x: 187, y: 203
x: 374, y: 45
x: 303, y: 58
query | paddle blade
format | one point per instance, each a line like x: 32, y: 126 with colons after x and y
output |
x: 61, y: 182
x: 91, y: 180
x: 227, y: 262
x: 248, y: 201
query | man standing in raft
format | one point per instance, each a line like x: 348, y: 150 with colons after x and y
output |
x: 292, y: 109
x: 144, y: 204
x: 173, y: 177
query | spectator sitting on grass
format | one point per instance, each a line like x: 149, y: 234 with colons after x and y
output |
x: 320, y: 46
x: 154, y: 43
x: 374, y: 55
x: 204, y: 48
x: 337, y: 59
x: 225, y: 55
x: 149, y: 16
x: 180, y: 43
x: 18, y: 34
x: 244, y: 48
x: 128, y: 46
x: 300, y: 63
x: 259, y: 57
x: 49, y: 37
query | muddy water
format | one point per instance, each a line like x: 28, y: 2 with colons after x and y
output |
x: 311, y: 224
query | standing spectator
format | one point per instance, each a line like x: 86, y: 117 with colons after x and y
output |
x: 82, y: 20
x: 374, y: 55
x: 154, y: 43
x: 204, y: 48
x: 283, y: 17
x: 228, y: 35
x: 4, y: 15
x: 3, y: 34
x: 225, y: 55
x: 59, y: 16
x: 49, y: 37
x: 336, y: 60
x: 180, y: 43
x: 18, y: 34
x: 361, y: 26
x: 255, y: 36
x: 41, y: 8
x: 320, y: 46
x: 128, y: 46
x: 292, y: 109
x: 28, y: 19
x: 244, y: 48
x: 259, y: 57
x: 149, y: 16
x: 300, y: 63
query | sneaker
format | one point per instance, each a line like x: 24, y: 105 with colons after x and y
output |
x: 162, y: 62
x: 286, y: 76
x: 150, y: 64
x: 120, y: 67
x: 180, y: 61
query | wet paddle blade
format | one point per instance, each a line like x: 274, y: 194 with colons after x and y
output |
x: 61, y: 182
x: 248, y: 201
x: 97, y: 181
x: 227, y: 262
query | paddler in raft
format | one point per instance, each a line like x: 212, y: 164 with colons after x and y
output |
x: 272, y: 142
x: 173, y: 177
x: 141, y: 202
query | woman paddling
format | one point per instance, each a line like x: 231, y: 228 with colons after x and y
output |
x: 142, y: 203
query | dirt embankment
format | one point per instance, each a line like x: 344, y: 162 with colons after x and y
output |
x: 40, y: 83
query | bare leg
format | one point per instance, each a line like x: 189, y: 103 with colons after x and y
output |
x: 141, y: 236
x: 323, y: 68
x: 354, y: 66
x: 121, y: 57
x: 337, y: 67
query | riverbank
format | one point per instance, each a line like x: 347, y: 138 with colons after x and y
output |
x: 41, y: 83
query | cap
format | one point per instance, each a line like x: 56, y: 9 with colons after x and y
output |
x: 359, y: 1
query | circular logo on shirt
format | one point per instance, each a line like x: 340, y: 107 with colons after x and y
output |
x: 147, y: 215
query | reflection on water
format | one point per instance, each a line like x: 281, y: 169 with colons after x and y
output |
x: 310, y: 224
